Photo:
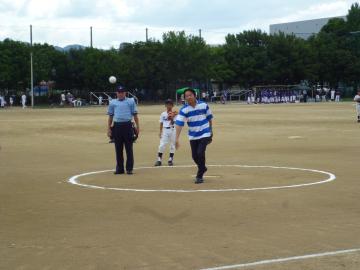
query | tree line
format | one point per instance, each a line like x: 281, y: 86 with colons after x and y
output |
x: 246, y: 59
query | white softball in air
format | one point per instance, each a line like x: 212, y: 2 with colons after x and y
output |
x: 112, y: 79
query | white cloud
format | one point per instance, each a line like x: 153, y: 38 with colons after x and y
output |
x: 40, y: 9
x: 10, y: 5
x: 324, y: 10
x: 120, y: 8
x: 63, y: 22
x: 316, y: 11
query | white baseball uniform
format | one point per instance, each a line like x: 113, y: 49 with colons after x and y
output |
x: 62, y: 99
x: 357, y: 100
x: 168, y: 134
x: 332, y: 95
x: 2, y: 101
x: 23, y: 101
x: 337, y: 96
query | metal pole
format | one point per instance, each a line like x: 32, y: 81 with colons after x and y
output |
x: 91, y: 37
x: 200, y: 33
x: 147, y: 35
x: 31, y: 69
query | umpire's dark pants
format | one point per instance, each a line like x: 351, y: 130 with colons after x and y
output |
x: 198, y: 148
x: 123, y: 135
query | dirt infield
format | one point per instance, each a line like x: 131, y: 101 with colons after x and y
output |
x: 48, y: 223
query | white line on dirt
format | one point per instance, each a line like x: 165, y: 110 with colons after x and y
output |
x: 331, y: 177
x: 281, y: 260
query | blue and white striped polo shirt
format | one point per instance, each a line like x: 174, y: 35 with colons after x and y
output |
x: 197, y: 118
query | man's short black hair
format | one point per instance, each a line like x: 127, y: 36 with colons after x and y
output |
x: 190, y: 89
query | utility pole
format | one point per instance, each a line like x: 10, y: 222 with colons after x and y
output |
x: 91, y: 37
x: 200, y: 33
x: 147, y: 35
x: 31, y: 69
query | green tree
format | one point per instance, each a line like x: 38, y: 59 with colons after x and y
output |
x: 289, y: 58
x: 246, y: 54
x: 14, y: 65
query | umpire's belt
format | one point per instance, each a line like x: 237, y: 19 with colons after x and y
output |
x: 169, y: 127
x: 122, y: 123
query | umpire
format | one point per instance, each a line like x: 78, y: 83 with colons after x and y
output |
x: 121, y: 111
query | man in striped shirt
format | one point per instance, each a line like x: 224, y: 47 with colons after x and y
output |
x: 198, y: 116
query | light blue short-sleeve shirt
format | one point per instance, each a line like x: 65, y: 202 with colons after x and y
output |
x: 122, y: 110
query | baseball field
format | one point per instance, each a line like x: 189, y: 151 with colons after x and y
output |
x: 282, y: 192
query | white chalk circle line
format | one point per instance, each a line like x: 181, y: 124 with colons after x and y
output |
x: 330, y: 177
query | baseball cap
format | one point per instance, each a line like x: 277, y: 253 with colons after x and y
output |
x: 169, y: 101
x: 120, y: 89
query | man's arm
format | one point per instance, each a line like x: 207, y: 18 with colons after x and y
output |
x: 136, y: 119
x: 178, y: 131
x: 211, y: 129
x: 209, y: 116
x: 110, y: 121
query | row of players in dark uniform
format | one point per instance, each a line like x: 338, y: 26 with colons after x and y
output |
x: 290, y: 96
x: 272, y: 96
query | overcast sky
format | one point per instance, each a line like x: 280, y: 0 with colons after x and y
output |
x: 114, y: 21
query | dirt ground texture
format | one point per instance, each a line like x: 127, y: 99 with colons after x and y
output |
x: 47, y: 223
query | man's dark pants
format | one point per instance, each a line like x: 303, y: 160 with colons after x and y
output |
x: 198, y: 148
x: 123, y: 136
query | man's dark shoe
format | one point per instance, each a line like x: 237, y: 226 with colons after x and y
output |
x: 119, y: 172
x: 170, y: 163
x: 199, y: 180
x: 129, y: 172
x: 157, y: 163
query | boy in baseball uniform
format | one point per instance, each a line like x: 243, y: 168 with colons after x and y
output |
x: 332, y: 95
x: 337, y: 96
x: 2, y: 101
x: 23, y: 101
x: 62, y: 99
x: 167, y: 133
x: 357, y: 100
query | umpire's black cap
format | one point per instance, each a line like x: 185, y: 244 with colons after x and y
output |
x: 169, y: 101
x: 120, y: 89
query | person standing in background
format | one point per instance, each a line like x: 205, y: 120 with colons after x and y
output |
x: 23, y: 101
x: 357, y: 100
